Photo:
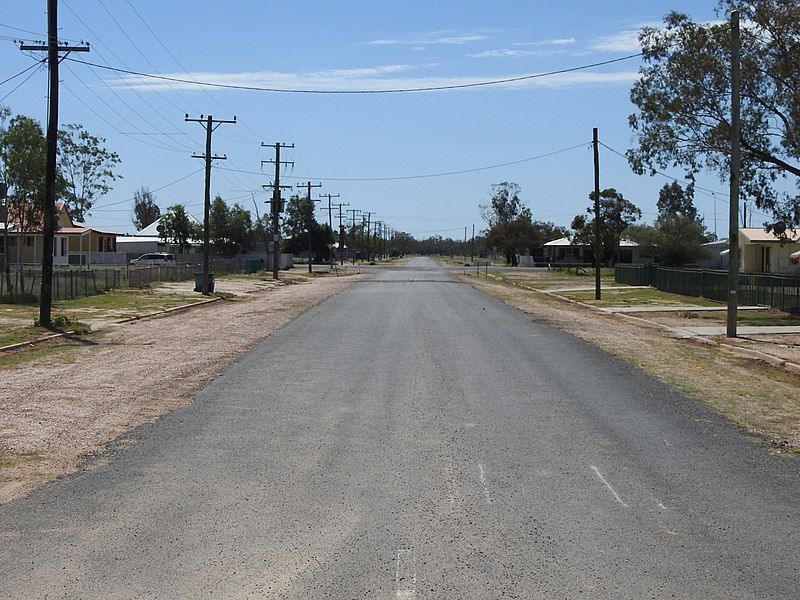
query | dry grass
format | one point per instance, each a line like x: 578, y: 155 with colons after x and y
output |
x: 761, y: 399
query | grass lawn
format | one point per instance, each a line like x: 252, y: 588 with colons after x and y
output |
x: 753, y: 317
x: 546, y: 280
x: 638, y: 297
x: 15, y: 335
x: 119, y: 304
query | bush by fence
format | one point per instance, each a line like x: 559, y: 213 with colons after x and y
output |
x: 69, y: 284
x: 768, y: 289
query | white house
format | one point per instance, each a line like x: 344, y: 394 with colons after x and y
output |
x: 762, y: 252
x: 149, y: 240
x: 566, y: 251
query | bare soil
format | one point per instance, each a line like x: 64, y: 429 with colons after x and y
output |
x: 760, y: 398
x: 60, y: 403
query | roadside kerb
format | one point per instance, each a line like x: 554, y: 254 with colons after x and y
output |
x: 764, y: 357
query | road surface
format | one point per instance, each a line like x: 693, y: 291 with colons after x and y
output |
x: 414, y: 439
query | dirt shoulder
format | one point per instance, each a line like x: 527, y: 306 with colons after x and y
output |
x: 61, y: 403
x: 759, y: 398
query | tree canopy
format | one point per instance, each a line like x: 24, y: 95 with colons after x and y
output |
x: 616, y: 215
x: 88, y: 169
x: 683, y: 101
x: 177, y: 227
x: 145, y: 208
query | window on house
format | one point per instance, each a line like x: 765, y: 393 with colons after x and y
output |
x: 29, y: 240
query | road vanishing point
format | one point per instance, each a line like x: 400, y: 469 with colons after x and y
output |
x: 411, y: 438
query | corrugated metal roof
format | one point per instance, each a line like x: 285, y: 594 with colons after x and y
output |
x: 757, y: 234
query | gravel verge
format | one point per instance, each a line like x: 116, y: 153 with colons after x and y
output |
x: 69, y: 401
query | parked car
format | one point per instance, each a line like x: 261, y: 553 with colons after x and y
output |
x: 156, y: 258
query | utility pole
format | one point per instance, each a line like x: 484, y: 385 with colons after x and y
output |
x: 341, y: 229
x: 733, y: 224
x: 330, y: 222
x: 472, y: 249
x: 48, y: 213
x: 4, y: 218
x: 276, y: 203
x: 209, y: 123
x: 369, y: 241
x: 465, y: 244
x: 353, y: 212
x: 378, y: 241
x: 597, y: 245
x: 311, y: 201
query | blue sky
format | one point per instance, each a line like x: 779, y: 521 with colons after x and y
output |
x: 356, y: 45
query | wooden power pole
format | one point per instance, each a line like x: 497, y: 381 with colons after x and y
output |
x: 330, y: 223
x: 209, y: 123
x: 310, y: 201
x: 276, y: 203
x: 733, y: 225
x: 598, y: 246
x: 53, y: 48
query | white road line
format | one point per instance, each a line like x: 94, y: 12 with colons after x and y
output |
x: 485, y: 484
x: 405, y: 575
x: 603, y: 479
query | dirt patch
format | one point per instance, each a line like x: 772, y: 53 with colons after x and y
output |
x: 761, y: 399
x: 70, y: 400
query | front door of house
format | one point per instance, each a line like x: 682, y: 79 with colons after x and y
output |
x: 60, y: 250
x: 766, y: 259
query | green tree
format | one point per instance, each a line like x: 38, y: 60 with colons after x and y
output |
x: 178, y: 228
x: 240, y: 229
x: 218, y: 223
x: 508, y: 218
x: 298, y: 222
x: 22, y: 151
x: 681, y: 242
x: 683, y: 101
x: 616, y: 215
x: 673, y: 199
x: 145, y: 208
x: 88, y: 169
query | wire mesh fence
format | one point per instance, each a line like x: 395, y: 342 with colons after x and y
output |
x: 24, y: 285
x: 767, y: 289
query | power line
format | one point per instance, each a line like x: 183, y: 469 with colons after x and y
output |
x: 185, y: 70
x: 427, y: 175
x: 456, y: 86
x: 33, y: 66
x: 158, y: 189
x: 24, y: 81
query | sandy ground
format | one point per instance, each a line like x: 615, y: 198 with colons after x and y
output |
x: 760, y: 398
x: 70, y: 402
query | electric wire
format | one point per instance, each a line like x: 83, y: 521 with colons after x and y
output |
x: 723, y: 197
x: 158, y: 189
x: 435, y: 88
x: 25, y: 70
x: 428, y: 175
x: 23, y: 82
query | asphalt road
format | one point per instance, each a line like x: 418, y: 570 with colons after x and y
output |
x: 414, y: 439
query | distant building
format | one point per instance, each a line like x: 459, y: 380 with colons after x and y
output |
x: 567, y: 252
x: 762, y: 252
x: 717, y: 255
x: 74, y: 243
x: 149, y: 240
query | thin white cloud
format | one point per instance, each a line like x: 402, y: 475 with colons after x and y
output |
x: 372, y: 78
x: 453, y: 38
x: 627, y: 40
x: 419, y: 49
x: 513, y: 53
x: 622, y: 41
x: 553, y: 42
